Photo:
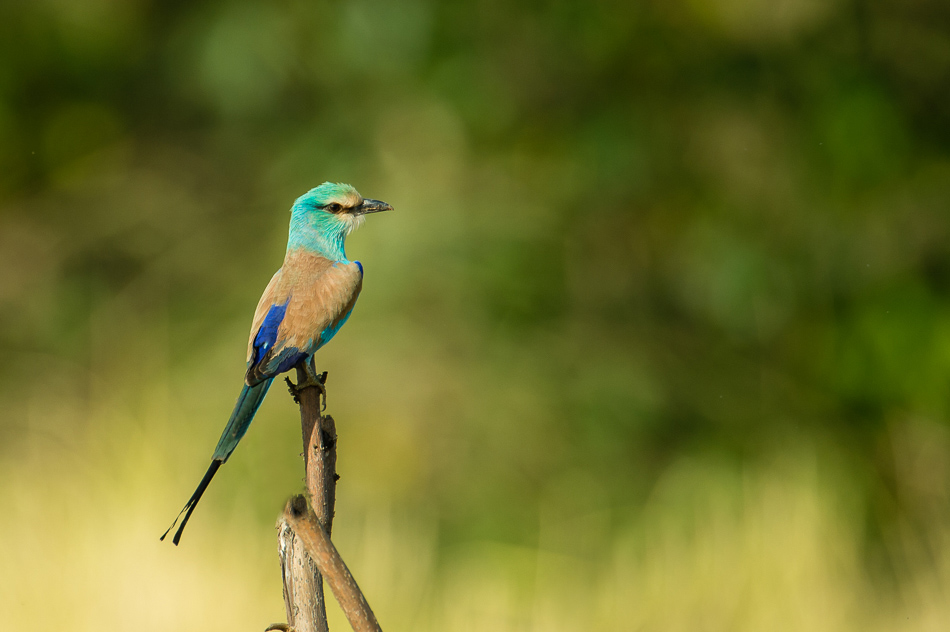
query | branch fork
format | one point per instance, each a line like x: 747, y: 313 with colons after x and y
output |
x: 307, y: 555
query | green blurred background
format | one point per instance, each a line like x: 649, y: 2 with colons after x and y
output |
x: 658, y: 337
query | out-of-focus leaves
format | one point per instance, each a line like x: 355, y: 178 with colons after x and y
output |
x: 660, y: 276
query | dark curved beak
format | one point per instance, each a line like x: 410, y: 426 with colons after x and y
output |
x: 372, y: 206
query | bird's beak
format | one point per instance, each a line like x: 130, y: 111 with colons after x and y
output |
x: 372, y: 206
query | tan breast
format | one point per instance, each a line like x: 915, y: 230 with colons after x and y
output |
x: 320, y: 292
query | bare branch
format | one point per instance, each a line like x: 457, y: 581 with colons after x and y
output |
x: 305, y: 524
x: 306, y: 553
x: 304, y: 600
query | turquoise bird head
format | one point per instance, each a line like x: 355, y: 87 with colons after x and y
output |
x: 321, y: 218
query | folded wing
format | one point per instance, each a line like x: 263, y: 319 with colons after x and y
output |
x: 303, y: 307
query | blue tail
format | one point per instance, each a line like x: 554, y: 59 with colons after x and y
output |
x: 244, y: 409
x: 241, y: 417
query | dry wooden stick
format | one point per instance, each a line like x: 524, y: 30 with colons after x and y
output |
x: 308, y: 529
x: 306, y: 553
x: 304, y: 599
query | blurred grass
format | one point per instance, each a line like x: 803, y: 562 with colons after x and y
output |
x: 658, y: 337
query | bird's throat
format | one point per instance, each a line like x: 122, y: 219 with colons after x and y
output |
x: 325, y: 237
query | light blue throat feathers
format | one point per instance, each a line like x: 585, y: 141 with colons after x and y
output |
x: 322, y: 233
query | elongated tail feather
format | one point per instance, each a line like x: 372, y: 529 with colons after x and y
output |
x: 192, y: 502
x: 244, y: 409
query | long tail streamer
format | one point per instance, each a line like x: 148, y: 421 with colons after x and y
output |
x: 244, y: 409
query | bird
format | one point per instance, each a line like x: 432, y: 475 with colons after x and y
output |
x: 305, y: 304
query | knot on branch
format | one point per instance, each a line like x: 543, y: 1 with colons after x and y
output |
x: 298, y: 506
x: 327, y: 435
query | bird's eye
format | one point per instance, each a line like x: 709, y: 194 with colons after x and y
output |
x: 334, y: 208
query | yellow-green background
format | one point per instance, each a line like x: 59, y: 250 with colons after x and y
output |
x: 658, y: 337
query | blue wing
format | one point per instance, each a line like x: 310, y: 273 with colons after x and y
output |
x: 265, y: 363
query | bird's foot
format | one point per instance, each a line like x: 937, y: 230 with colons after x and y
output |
x: 312, y: 380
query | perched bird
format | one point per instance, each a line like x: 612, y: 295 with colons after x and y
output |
x: 302, y: 308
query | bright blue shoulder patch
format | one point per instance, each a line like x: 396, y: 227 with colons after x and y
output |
x: 267, y: 334
x: 264, y: 342
x: 360, y: 266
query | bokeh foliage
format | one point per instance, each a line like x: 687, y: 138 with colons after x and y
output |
x: 658, y: 337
